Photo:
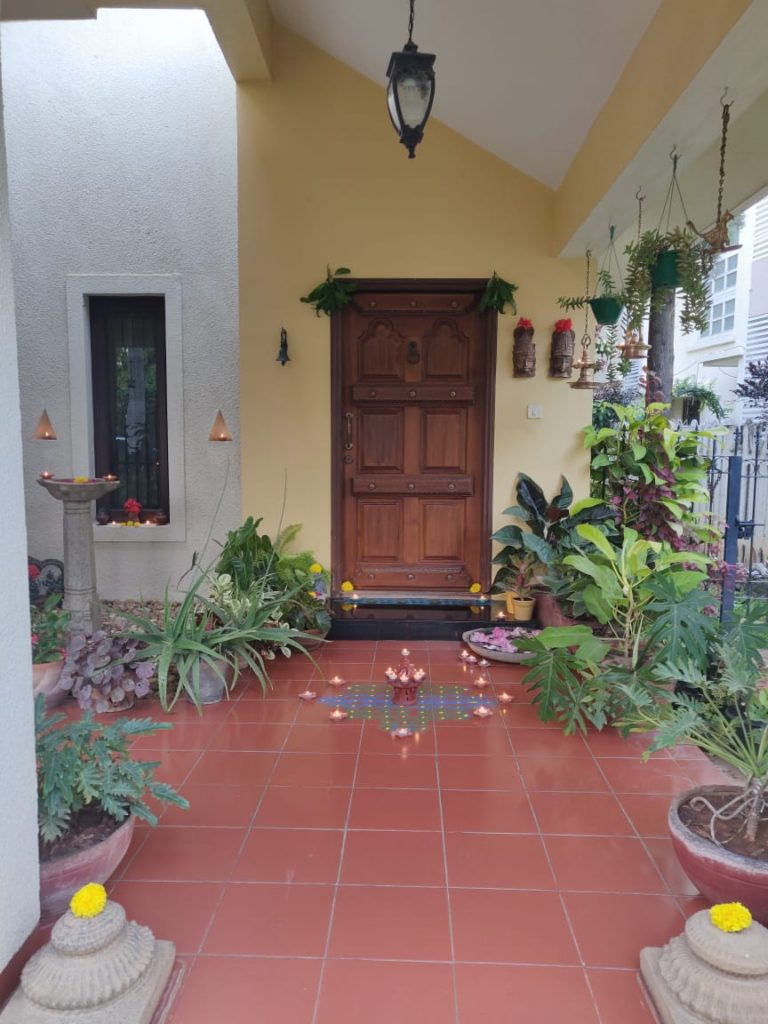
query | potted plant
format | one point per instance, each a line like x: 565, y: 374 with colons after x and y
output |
x: 676, y: 259
x: 518, y: 586
x: 606, y: 303
x: 102, y: 671
x: 719, y: 833
x: 90, y: 793
x: 696, y: 396
x: 49, y: 631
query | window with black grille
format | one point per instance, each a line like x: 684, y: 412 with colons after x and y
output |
x: 130, y: 425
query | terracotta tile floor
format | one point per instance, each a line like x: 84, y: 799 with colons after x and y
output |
x: 492, y: 871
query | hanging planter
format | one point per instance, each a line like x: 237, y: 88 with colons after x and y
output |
x: 606, y: 309
x: 665, y: 272
x: 607, y: 302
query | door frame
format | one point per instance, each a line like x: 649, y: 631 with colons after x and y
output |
x: 450, y: 284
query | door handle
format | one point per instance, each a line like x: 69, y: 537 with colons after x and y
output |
x: 348, y: 416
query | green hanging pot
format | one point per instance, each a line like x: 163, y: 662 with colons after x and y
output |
x: 606, y: 309
x: 665, y: 272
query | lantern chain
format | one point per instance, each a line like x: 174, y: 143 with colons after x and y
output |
x: 723, y: 142
x: 410, y: 22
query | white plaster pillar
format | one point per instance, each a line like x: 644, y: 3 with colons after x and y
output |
x: 19, y: 877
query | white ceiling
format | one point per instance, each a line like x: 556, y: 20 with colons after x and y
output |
x: 523, y: 79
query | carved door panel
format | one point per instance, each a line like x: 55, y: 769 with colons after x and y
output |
x: 413, y: 414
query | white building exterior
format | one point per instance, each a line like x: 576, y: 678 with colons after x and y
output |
x: 121, y: 139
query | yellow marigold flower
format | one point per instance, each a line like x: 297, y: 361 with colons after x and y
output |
x: 347, y: 607
x: 89, y: 901
x: 730, y: 917
x: 80, y: 480
x: 346, y: 586
x: 475, y: 588
x: 315, y: 567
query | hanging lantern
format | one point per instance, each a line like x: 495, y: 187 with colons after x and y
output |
x: 586, y: 379
x: 411, y: 90
x: 633, y: 346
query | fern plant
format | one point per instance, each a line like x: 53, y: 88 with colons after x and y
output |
x: 332, y: 294
x: 83, y: 764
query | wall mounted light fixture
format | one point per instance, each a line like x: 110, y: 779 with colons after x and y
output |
x: 219, y: 430
x: 282, y: 355
x: 44, y: 430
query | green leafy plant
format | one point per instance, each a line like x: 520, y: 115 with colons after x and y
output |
x: 652, y: 475
x: 693, y: 263
x: 566, y: 677
x: 606, y: 288
x: 703, y: 394
x: 736, y: 732
x: 548, y: 530
x: 524, y: 571
x: 49, y: 630
x: 616, y: 586
x: 83, y: 765
x: 331, y: 295
x: 498, y: 295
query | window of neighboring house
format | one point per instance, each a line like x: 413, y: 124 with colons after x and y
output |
x: 722, y: 314
x: 130, y: 424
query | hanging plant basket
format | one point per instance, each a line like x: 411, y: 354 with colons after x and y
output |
x: 606, y: 309
x: 665, y: 272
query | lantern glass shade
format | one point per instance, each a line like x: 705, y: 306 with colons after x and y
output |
x: 219, y: 430
x: 410, y: 94
x: 44, y: 430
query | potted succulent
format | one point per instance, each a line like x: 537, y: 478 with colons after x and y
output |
x: 658, y: 261
x: 102, y: 671
x: 719, y: 833
x: 90, y: 793
x: 49, y: 632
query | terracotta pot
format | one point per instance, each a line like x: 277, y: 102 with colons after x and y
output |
x: 549, y: 612
x: 45, y: 680
x: 719, y: 875
x: 523, y: 607
x: 61, y: 877
x: 318, y: 636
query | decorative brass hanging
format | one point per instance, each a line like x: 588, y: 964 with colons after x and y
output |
x: 717, y: 237
x: 586, y: 379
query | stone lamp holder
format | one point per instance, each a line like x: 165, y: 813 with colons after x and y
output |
x: 44, y: 430
x: 95, y: 970
x: 219, y: 430
x: 707, y: 975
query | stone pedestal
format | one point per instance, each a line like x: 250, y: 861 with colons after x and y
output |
x: 706, y: 975
x: 80, y: 597
x: 97, y: 970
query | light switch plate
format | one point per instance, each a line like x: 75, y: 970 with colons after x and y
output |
x: 535, y: 412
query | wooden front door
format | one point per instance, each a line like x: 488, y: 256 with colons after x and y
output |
x: 413, y: 370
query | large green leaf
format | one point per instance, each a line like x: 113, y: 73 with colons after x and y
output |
x: 543, y: 551
x: 598, y: 538
x: 531, y: 498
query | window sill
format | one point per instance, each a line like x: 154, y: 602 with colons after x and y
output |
x: 138, y: 534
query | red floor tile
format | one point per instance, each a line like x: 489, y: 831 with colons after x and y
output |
x: 179, y: 911
x: 663, y: 854
x: 391, y: 923
x: 497, y: 861
x: 244, y: 767
x: 610, y: 743
x: 473, y: 737
x: 321, y: 738
x: 620, y: 997
x: 704, y: 773
x: 393, y: 858
x: 297, y: 807
x: 505, y: 926
x: 602, y: 864
x: 175, y: 765
x: 648, y: 814
x: 546, y: 742
x: 521, y: 715
x: 404, y: 772
x: 254, y: 711
x: 289, y: 855
x: 487, y: 811
x: 215, y: 805
x: 272, y: 920
x: 314, y: 770
x: 250, y: 736
x: 535, y: 995
x: 182, y: 736
x: 395, y: 808
x: 659, y: 776
x: 380, y: 993
x: 478, y: 772
x: 377, y: 741
x: 583, y: 814
x: 239, y: 990
x: 562, y: 774
x: 611, y: 929
x: 187, y: 854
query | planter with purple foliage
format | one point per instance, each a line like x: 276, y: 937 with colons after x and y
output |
x: 102, y: 671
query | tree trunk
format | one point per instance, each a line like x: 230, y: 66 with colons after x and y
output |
x: 661, y: 338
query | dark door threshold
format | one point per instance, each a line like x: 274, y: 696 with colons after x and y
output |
x: 406, y: 621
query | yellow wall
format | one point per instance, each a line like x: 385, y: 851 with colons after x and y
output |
x: 323, y: 179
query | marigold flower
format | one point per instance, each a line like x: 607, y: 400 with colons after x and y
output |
x: 346, y: 586
x: 475, y: 588
x: 80, y: 480
x: 89, y: 901
x: 730, y: 917
x: 315, y: 568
